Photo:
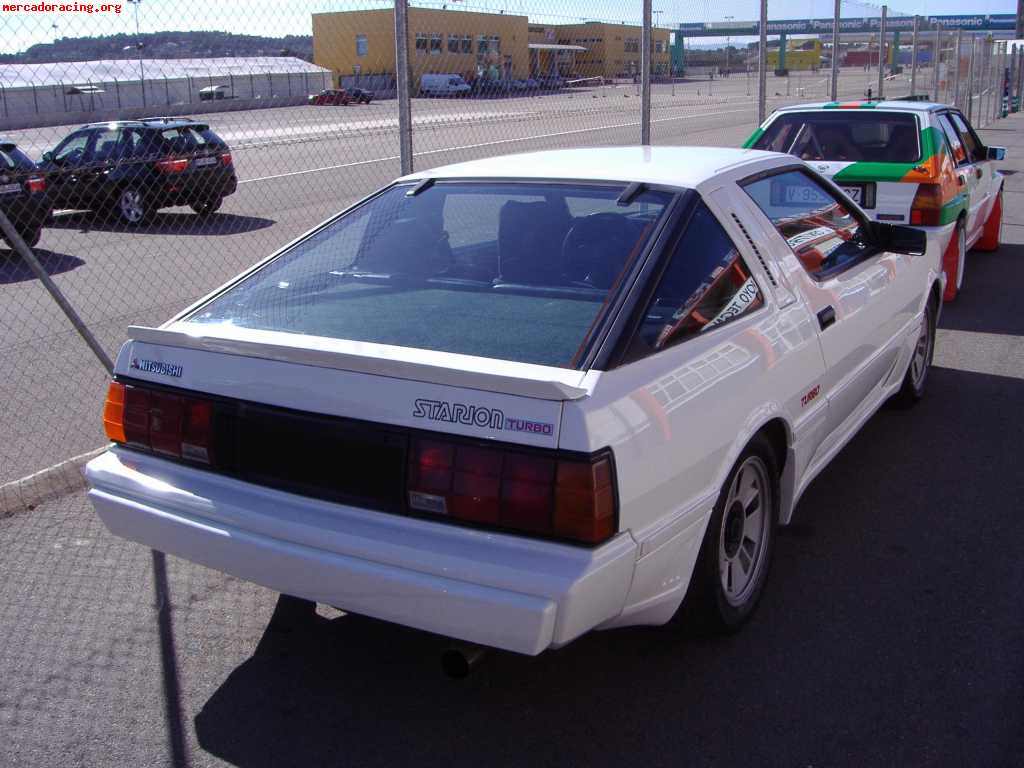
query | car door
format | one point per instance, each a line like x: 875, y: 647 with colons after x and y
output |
x: 101, y: 156
x: 983, y: 170
x: 861, y: 296
x: 63, y: 168
x: 969, y: 176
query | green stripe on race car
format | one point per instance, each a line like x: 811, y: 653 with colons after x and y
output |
x: 757, y: 134
x: 931, y: 145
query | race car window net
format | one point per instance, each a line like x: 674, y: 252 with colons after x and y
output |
x: 518, y: 271
x: 844, y: 136
x: 824, y: 234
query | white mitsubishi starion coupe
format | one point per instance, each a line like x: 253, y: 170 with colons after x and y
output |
x: 514, y: 400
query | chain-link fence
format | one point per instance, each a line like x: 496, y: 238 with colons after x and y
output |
x: 145, y: 165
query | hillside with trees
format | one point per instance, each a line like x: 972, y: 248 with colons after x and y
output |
x: 163, y: 45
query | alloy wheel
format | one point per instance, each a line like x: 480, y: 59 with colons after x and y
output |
x: 744, y: 531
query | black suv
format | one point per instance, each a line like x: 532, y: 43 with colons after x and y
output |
x: 134, y: 167
x: 22, y: 193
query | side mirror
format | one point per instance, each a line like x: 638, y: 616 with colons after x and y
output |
x: 899, y: 239
x: 47, y: 157
x: 996, y: 153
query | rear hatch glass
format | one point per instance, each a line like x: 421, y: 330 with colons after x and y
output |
x: 844, y: 136
x: 507, y: 270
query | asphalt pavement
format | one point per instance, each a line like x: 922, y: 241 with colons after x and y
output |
x: 891, y: 632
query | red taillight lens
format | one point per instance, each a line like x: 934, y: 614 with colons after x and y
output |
x: 565, y: 498
x: 225, y: 158
x: 171, y: 165
x: 926, y: 210
x: 173, y: 425
x: 585, y: 501
x: 36, y: 184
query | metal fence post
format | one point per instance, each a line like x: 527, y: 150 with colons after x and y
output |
x: 986, y: 80
x: 835, y: 50
x: 913, y: 57
x: 402, y: 84
x: 762, y: 65
x: 1020, y: 76
x: 936, y: 57
x: 956, y: 75
x: 18, y: 244
x: 881, y: 54
x: 970, y: 81
x: 645, y: 76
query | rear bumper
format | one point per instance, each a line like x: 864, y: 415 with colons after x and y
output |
x: 498, y: 590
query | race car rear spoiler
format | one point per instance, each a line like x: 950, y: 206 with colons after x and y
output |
x: 446, y: 368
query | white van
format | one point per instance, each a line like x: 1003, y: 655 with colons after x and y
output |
x: 443, y: 85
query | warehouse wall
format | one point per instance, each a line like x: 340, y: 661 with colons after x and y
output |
x: 335, y: 42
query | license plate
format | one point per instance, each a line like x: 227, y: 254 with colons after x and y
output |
x: 854, y: 193
x: 10, y: 189
x: 204, y: 161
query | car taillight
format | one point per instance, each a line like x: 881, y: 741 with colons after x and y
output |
x: 225, y: 158
x: 558, y: 496
x: 172, y: 165
x: 36, y: 184
x: 926, y: 210
x: 169, y: 424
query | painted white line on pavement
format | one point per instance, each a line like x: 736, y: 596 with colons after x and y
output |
x: 483, y: 144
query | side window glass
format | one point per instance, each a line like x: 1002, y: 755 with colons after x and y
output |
x: 104, y: 146
x: 959, y: 153
x: 706, y: 284
x: 975, y: 150
x: 72, y: 151
x: 823, y: 233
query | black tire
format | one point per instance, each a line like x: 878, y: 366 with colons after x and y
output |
x: 206, y: 207
x: 916, y: 378
x: 132, y: 206
x: 31, y: 237
x: 707, y: 599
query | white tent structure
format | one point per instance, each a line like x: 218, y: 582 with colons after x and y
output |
x: 46, y: 94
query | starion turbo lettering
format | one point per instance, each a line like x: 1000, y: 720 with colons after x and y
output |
x: 476, y: 416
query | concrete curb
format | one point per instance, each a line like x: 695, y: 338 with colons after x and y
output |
x: 58, y: 480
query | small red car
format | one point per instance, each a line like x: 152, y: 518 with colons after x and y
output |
x: 330, y: 97
x: 340, y: 97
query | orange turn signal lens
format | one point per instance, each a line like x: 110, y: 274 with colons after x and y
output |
x: 113, y: 413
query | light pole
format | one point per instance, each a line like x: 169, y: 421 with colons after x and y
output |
x: 728, y: 43
x: 138, y: 45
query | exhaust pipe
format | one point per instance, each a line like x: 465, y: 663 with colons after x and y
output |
x: 458, y: 661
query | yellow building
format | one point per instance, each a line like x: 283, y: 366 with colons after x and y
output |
x: 489, y: 45
x: 800, y: 55
x: 613, y: 50
x: 443, y: 42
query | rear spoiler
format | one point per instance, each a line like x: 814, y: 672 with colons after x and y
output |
x: 535, y: 381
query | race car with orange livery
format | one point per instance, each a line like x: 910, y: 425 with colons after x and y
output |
x: 903, y: 162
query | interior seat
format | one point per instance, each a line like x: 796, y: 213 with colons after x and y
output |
x: 530, y: 242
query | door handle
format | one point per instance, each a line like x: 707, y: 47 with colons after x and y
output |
x: 978, y: 173
x: 962, y: 179
x: 826, y: 317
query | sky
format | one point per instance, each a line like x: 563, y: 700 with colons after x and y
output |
x: 18, y: 30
